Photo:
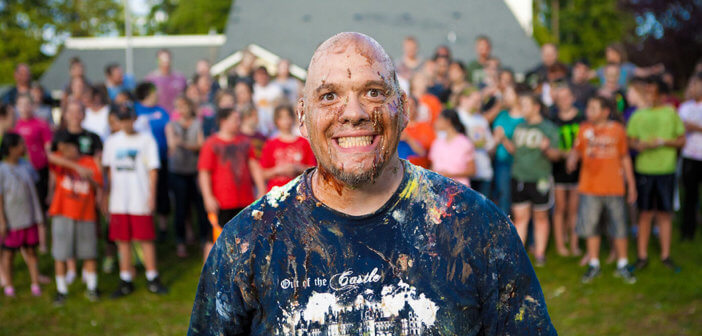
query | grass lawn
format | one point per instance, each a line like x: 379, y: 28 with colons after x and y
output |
x: 661, y: 303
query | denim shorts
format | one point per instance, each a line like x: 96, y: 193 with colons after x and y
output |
x: 590, y: 212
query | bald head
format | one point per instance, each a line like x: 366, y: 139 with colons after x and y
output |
x: 352, y: 42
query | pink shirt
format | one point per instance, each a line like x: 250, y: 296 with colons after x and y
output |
x: 169, y: 87
x: 452, y: 156
x: 36, y: 134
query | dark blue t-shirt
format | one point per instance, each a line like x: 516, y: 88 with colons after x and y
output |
x: 158, y: 119
x: 436, y: 259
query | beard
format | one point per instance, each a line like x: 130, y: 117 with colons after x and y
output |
x: 355, y: 179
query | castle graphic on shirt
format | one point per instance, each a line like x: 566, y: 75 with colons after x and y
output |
x: 350, y: 310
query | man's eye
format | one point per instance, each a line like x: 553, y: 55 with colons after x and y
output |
x: 375, y: 93
x: 329, y: 96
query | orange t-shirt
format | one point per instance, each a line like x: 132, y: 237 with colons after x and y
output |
x: 601, y: 149
x: 74, y: 196
x: 433, y: 104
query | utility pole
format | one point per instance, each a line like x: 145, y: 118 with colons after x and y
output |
x: 129, y: 61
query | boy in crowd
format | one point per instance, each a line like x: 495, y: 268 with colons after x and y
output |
x: 153, y: 118
x: 657, y: 133
x: 601, y: 146
x: 131, y: 163
x: 227, y: 167
x: 534, y: 145
x: 74, y: 232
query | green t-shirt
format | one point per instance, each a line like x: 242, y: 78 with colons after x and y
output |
x: 652, y: 123
x: 475, y: 72
x: 530, y: 163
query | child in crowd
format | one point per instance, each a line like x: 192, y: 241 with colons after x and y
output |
x: 153, y: 118
x: 184, y: 141
x: 567, y: 118
x: 286, y: 155
x: 96, y: 113
x: 478, y: 132
x: 73, y: 211
x: 21, y: 212
x: 36, y: 134
x: 452, y: 154
x: 416, y: 138
x: 534, y: 146
x: 227, y: 163
x: 691, y: 115
x: 606, y: 169
x: 503, y: 128
x: 657, y: 133
x: 249, y: 128
x: 131, y: 163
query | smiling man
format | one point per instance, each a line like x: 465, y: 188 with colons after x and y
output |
x: 366, y: 243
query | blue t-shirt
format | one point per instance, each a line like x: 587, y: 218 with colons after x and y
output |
x: 158, y: 119
x: 508, y: 123
x: 436, y: 259
x: 404, y: 150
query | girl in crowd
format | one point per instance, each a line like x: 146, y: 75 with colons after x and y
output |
x: 21, y: 212
x: 452, y: 154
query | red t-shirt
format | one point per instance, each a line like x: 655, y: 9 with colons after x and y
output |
x: 276, y: 152
x: 36, y: 134
x: 74, y: 196
x: 228, y: 163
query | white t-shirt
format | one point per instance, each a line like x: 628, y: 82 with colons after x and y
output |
x: 478, y: 131
x: 130, y: 159
x: 265, y: 98
x: 98, y: 122
x: 691, y: 112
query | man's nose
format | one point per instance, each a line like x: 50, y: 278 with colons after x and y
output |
x: 353, y: 111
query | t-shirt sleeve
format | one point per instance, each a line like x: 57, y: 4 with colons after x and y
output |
x: 224, y: 301
x: 252, y: 151
x: 513, y: 302
x: 107, y: 154
x: 207, y: 158
x: 152, y: 157
x: 267, y: 160
x: 97, y: 174
x: 679, y: 125
x: 622, y: 143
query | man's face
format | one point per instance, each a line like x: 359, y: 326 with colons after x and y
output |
x: 164, y: 59
x: 442, y: 67
x: 353, y: 112
x: 482, y: 47
x: 580, y: 73
x: 549, y: 54
x: 22, y: 75
x: 410, y: 47
x: 202, y: 68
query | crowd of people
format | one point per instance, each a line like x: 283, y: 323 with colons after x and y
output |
x: 596, y: 152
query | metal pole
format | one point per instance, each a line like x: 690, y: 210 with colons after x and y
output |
x: 129, y: 62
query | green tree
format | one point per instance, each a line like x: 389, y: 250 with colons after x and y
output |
x: 28, y: 26
x: 581, y: 28
x: 188, y: 17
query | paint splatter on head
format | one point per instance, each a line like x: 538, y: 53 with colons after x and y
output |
x: 352, y: 109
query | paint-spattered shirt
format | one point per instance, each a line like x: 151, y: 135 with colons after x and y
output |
x: 436, y: 259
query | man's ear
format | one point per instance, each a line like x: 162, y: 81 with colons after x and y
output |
x: 300, y: 113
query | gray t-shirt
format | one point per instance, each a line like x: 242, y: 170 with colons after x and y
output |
x: 183, y: 160
x: 20, y: 201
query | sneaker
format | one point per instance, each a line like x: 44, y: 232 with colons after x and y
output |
x: 108, y: 265
x: 590, y: 274
x: 641, y: 263
x: 60, y: 299
x: 125, y: 288
x: 9, y: 291
x: 625, y: 274
x: 667, y: 262
x: 36, y: 290
x: 540, y: 261
x: 92, y: 295
x: 155, y: 286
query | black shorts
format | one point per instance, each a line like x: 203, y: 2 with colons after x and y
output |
x: 42, y: 187
x: 536, y: 194
x: 561, y: 175
x: 163, y: 200
x: 655, y: 192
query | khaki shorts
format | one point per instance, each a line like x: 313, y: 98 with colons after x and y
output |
x: 73, y: 239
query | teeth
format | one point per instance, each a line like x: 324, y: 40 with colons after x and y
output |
x: 362, y: 141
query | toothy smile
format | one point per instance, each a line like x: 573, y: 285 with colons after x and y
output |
x: 357, y: 141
